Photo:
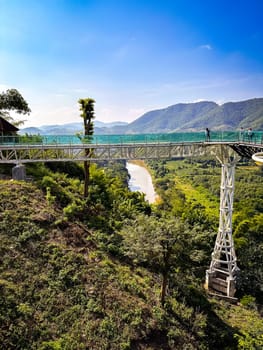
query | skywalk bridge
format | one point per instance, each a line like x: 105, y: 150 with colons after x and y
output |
x: 28, y: 149
x: 227, y: 148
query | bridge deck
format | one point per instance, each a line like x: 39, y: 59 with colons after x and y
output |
x: 40, y: 152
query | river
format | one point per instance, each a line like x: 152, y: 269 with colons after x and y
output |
x: 141, y: 180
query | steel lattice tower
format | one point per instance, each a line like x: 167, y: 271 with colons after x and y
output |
x: 223, y: 270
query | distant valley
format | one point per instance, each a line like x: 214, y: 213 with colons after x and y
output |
x: 179, y: 117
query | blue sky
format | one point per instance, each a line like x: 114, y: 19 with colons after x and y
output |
x: 131, y: 56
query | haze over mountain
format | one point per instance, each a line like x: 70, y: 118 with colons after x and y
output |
x: 197, y: 116
x: 67, y: 129
x: 179, y: 117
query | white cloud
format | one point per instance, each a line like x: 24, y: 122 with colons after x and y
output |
x: 199, y: 100
x: 206, y: 47
x: 221, y: 102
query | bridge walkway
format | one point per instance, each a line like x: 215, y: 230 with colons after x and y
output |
x: 25, y: 149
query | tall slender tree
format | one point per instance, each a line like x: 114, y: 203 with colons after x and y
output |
x: 88, y: 115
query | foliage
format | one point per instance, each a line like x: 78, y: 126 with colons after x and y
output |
x: 58, y: 293
x: 159, y: 243
x: 249, y: 327
x: 87, y: 113
x: 248, y: 236
x: 27, y: 139
x: 109, y: 200
x: 192, y: 191
x: 85, y: 273
x: 12, y: 100
x: 70, y: 168
x: 248, y: 301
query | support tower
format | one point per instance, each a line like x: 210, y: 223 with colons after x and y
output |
x: 221, y: 276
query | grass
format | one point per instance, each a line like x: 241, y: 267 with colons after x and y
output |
x: 181, y: 172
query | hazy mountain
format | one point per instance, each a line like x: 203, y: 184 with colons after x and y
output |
x: 198, y: 116
x: 231, y: 116
x: 179, y: 117
x: 68, y: 129
x: 31, y: 131
x: 172, y: 118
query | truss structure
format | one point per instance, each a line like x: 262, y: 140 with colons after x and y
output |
x: 47, y: 153
x: 221, y: 276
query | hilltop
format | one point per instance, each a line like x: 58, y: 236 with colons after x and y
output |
x: 197, y: 116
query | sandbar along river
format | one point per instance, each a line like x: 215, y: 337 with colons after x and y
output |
x: 141, y: 180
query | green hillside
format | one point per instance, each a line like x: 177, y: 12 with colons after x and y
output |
x: 232, y: 116
x: 171, y: 118
x: 72, y: 275
x: 198, y: 116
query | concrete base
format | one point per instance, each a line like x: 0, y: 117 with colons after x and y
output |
x: 221, y: 283
x: 231, y: 286
x: 19, y: 172
x: 231, y: 300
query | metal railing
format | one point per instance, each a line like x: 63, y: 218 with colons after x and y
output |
x: 223, y: 136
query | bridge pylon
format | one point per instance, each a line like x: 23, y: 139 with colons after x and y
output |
x: 221, y: 276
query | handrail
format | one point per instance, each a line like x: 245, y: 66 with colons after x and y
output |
x: 222, y: 136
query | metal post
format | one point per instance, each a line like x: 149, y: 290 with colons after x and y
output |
x: 221, y: 276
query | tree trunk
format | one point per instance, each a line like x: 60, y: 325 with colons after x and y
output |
x: 87, y: 177
x: 164, y: 286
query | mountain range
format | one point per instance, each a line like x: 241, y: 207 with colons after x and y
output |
x: 179, y: 117
x: 68, y: 129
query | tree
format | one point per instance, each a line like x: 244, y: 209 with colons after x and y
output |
x: 12, y: 100
x: 87, y: 113
x: 161, y: 243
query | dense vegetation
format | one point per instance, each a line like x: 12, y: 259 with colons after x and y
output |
x: 12, y: 100
x: 192, y: 190
x: 112, y: 272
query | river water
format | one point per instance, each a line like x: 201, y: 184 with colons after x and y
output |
x: 141, y: 180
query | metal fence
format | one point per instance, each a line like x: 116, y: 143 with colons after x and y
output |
x: 223, y: 136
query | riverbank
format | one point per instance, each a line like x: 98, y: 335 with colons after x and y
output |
x: 141, y: 180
